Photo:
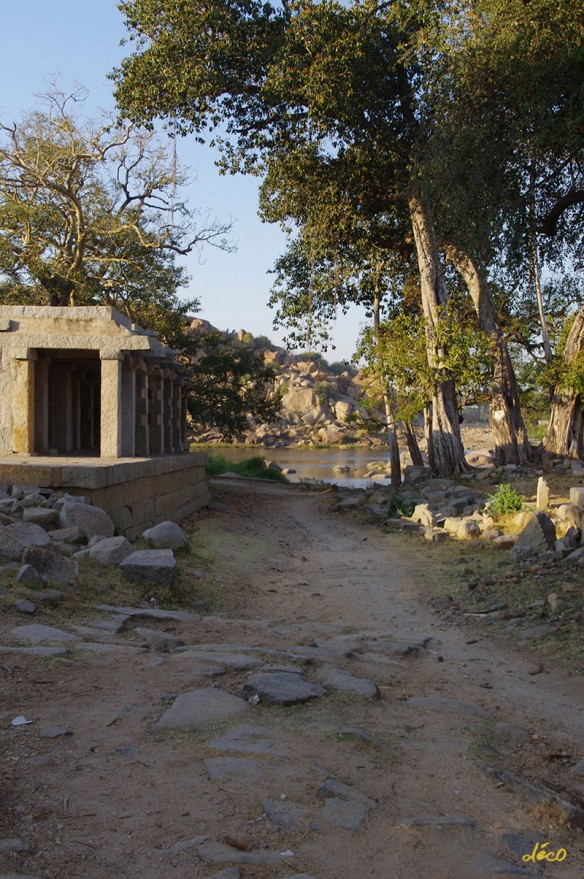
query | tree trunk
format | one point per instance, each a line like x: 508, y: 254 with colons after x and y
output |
x: 394, y: 461
x: 447, y: 452
x: 509, y: 432
x: 565, y: 433
x: 413, y: 447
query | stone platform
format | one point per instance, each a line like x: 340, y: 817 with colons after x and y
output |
x: 136, y: 492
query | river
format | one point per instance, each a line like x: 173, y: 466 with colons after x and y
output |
x: 319, y: 464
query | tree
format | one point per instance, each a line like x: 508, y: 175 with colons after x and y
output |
x: 326, y: 73
x: 228, y: 385
x: 90, y: 214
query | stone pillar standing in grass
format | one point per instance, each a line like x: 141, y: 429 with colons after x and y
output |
x: 111, y: 396
x: 543, y: 494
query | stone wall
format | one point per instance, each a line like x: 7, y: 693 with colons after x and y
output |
x: 136, y: 493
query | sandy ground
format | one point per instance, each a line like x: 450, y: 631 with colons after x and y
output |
x: 418, y: 773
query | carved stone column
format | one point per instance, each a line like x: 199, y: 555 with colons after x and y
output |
x: 111, y: 395
x: 22, y: 390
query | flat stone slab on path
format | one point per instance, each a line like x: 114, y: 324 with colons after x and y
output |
x: 337, y: 679
x: 249, y: 739
x: 219, y: 852
x: 347, y: 814
x: 39, y: 634
x: 286, y: 815
x: 282, y: 688
x: 233, y: 769
x: 151, y: 613
x: 201, y: 708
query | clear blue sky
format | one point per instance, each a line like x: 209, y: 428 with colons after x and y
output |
x: 78, y: 41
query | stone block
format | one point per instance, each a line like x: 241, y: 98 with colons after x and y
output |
x: 150, y: 567
x: 577, y: 496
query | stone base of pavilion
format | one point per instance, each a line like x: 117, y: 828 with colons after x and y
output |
x: 136, y: 492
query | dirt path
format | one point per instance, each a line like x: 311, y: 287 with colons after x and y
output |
x: 450, y: 773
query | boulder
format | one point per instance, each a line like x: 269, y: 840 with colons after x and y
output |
x: 110, y: 550
x: 14, y: 539
x: 89, y: 520
x: 424, y: 515
x: 42, y: 516
x: 29, y: 576
x: 55, y: 569
x: 577, y: 496
x: 569, y: 513
x: 150, y: 567
x: 538, y: 536
x: 166, y: 535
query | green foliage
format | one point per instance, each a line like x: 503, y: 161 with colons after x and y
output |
x: 255, y: 467
x: 228, y: 385
x: 91, y: 214
x: 399, y: 506
x: 505, y: 499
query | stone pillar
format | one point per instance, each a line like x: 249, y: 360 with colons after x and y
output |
x: 128, y: 410
x: 22, y: 391
x: 142, y: 427
x: 167, y: 408
x: 156, y: 410
x: 111, y: 396
x: 183, y: 418
x: 176, y: 415
x: 41, y: 407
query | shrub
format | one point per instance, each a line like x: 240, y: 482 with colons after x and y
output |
x: 254, y: 467
x: 506, y: 499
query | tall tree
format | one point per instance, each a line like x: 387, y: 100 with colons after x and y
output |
x: 89, y: 215
x: 336, y: 74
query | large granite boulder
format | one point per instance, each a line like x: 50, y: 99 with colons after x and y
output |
x: 166, y: 535
x: 538, y: 536
x: 55, y: 569
x: 110, y: 550
x: 89, y: 520
x: 15, y: 538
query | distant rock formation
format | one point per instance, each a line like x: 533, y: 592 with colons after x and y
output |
x: 316, y: 398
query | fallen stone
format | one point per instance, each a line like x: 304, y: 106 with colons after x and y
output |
x: 578, y: 768
x: 26, y: 606
x: 233, y: 769
x: 162, y: 641
x: 235, y: 661
x: 16, y: 845
x: 29, y: 576
x: 249, y: 739
x: 43, y: 516
x: 166, y: 535
x: 453, y: 705
x: 424, y: 515
x: 537, y: 632
x: 150, y: 567
x: 577, y: 496
x: 277, y: 688
x: 53, y: 567
x: 219, y: 852
x: 201, y: 708
x: 538, y: 536
x: 151, y: 613
x: 347, y: 814
x: 340, y: 680
x: 68, y: 535
x: 55, y: 732
x: 39, y: 634
x: 286, y: 815
x: 14, y: 539
x: 90, y: 520
x: 110, y: 550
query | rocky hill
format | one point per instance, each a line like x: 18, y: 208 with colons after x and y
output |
x: 316, y: 397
